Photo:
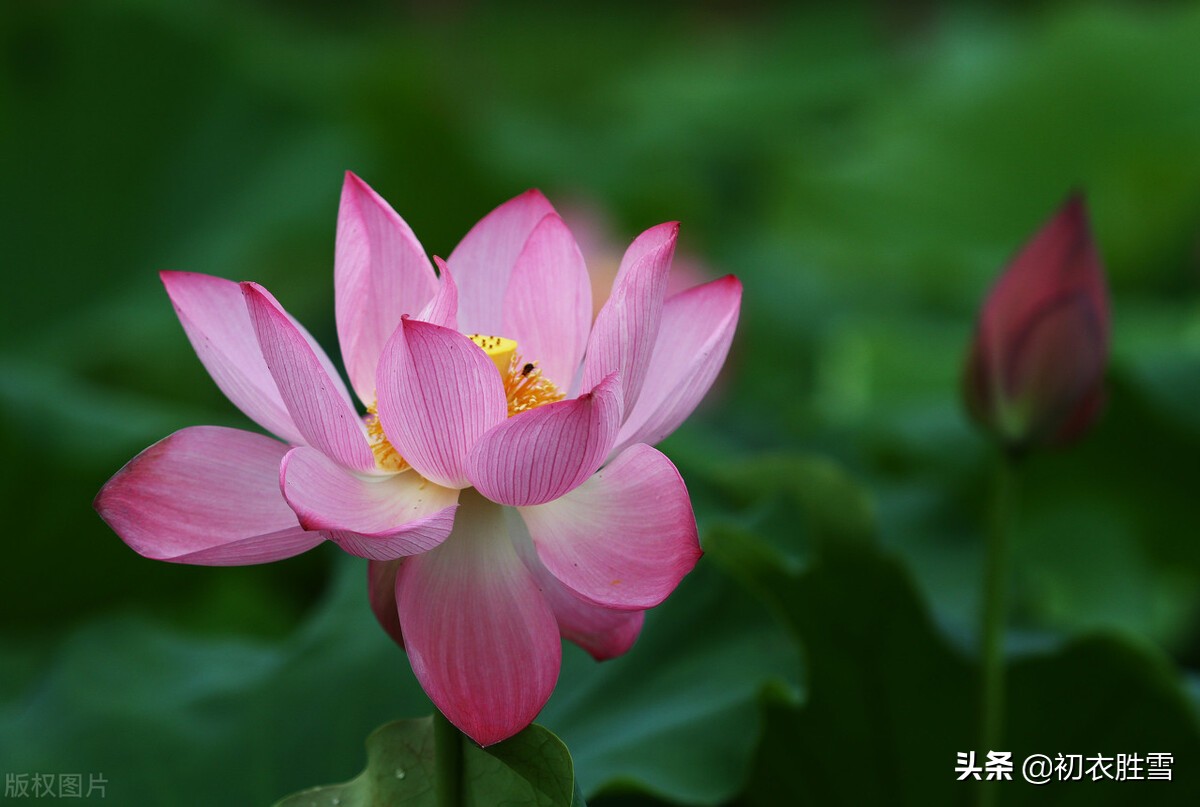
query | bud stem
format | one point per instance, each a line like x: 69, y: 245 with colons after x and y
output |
x: 995, y: 589
x: 448, y: 761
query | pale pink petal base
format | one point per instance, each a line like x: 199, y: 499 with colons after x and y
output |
x: 378, y: 517
x: 481, y: 638
x: 604, y: 633
x: 205, y: 495
x: 541, y: 454
x: 623, y: 539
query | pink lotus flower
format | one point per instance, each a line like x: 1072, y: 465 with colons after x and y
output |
x: 501, y: 484
x: 1035, y: 372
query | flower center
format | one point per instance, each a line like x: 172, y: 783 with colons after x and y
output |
x: 524, y: 385
x: 386, y: 455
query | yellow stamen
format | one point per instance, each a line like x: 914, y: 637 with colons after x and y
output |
x: 386, y: 455
x: 498, y: 349
x: 523, y: 383
x: 526, y: 387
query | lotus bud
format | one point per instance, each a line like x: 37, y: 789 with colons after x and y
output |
x: 1035, y: 371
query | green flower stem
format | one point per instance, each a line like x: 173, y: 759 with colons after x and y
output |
x: 448, y: 761
x: 995, y: 589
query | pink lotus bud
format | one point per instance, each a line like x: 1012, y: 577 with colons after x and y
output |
x: 1035, y: 372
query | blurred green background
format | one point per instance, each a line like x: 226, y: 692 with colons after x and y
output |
x: 865, y: 170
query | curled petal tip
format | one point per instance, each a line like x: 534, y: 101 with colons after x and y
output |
x: 660, y: 235
x: 354, y: 186
x: 1076, y: 201
x: 535, y: 198
x: 1073, y: 218
x: 730, y: 282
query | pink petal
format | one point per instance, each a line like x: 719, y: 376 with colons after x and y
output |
x: 480, y: 636
x: 693, y: 341
x: 605, y: 633
x: 623, y: 539
x: 442, y: 309
x: 378, y: 517
x: 438, y: 394
x: 625, y: 330
x: 548, y: 306
x: 646, y: 243
x: 541, y: 454
x: 216, y: 322
x: 205, y: 495
x: 381, y: 591
x: 322, y: 357
x: 380, y: 272
x: 484, y: 259
x: 317, y: 401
